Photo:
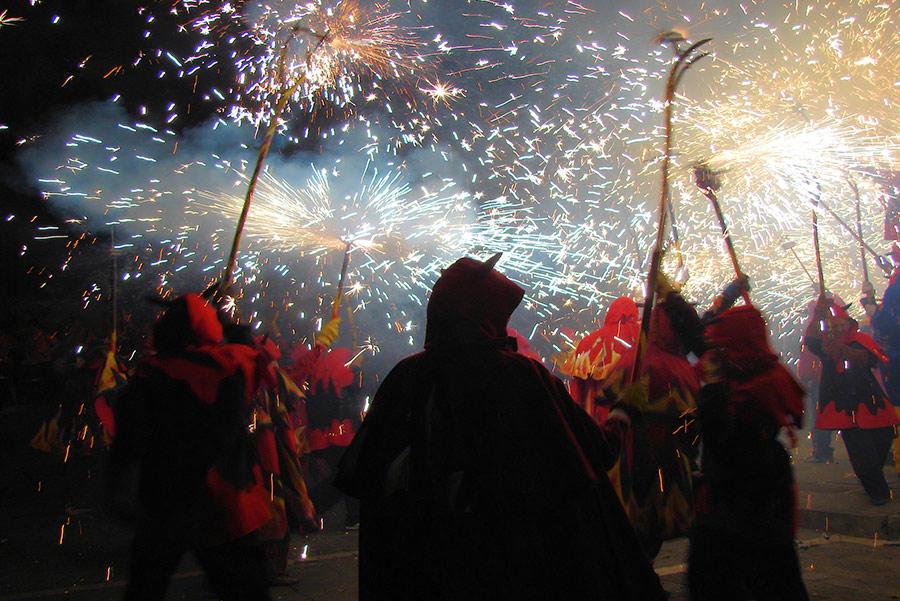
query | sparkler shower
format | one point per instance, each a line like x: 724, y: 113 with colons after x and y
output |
x: 421, y: 131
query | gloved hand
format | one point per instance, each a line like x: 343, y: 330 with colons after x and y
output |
x: 734, y: 290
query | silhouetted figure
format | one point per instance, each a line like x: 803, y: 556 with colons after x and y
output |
x: 183, y: 419
x: 742, y: 543
x: 479, y: 477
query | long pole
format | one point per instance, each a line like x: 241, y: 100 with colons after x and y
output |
x: 708, y: 181
x: 336, y: 305
x: 114, y: 285
x: 280, y: 105
x: 729, y: 245
x: 859, y: 233
x: 790, y: 246
x: 858, y: 236
x: 251, y: 187
x: 683, y: 62
x: 815, y: 224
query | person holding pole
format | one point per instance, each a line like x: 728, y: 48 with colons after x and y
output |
x: 742, y: 541
x: 851, y: 399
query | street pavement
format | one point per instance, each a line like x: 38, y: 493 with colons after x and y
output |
x: 57, y: 542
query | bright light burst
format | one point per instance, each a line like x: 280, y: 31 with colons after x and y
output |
x: 376, y: 211
x: 8, y: 21
x: 547, y: 120
x: 441, y: 92
x: 314, y: 51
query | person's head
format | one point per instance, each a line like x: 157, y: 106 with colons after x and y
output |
x: 621, y: 310
x: 740, y: 340
x: 838, y: 323
x: 471, y: 302
x: 188, y: 321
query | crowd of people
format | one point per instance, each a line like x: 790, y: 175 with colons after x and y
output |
x: 476, y: 473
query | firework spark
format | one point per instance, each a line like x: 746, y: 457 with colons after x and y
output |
x: 314, y: 52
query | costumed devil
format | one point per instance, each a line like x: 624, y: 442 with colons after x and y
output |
x: 280, y: 447
x: 479, y: 477
x: 851, y: 397
x: 742, y: 542
x: 183, y: 420
x: 330, y: 415
x: 652, y: 475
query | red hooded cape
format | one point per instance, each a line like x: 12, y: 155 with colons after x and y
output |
x: 754, y: 375
x: 184, y: 417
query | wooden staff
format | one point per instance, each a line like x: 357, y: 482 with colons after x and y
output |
x: 708, y: 181
x: 879, y: 260
x: 790, y: 246
x: 815, y: 224
x: 683, y: 61
x: 859, y: 233
x: 114, y: 288
x: 269, y: 135
x: 336, y: 305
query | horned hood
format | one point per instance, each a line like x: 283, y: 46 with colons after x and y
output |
x: 471, y: 303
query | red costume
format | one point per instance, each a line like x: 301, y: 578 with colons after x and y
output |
x: 183, y: 419
x: 742, y: 543
x: 851, y: 396
x: 278, y: 442
x: 653, y: 473
x: 604, y: 358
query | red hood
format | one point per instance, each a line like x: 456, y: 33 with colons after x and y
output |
x: 618, y: 334
x: 189, y: 321
x: 621, y: 310
x: 854, y: 335
x: 470, y: 303
x: 739, y: 340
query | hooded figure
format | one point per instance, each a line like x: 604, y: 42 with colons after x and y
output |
x: 652, y: 474
x: 183, y: 420
x: 851, y: 397
x: 742, y: 543
x: 603, y: 359
x: 479, y: 477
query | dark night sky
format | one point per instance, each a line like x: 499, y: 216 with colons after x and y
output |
x: 38, y: 59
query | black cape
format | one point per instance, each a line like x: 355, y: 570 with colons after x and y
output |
x: 479, y: 477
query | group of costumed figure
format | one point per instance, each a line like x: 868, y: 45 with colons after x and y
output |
x: 478, y: 473
x: 481, y: 477
x: 214, y: 447
x: 713, y: 383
